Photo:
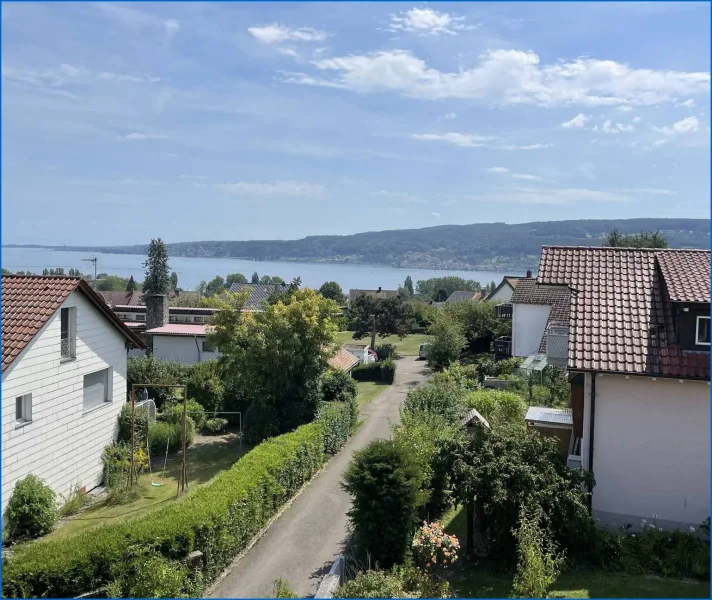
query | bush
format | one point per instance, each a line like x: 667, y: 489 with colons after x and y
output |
x: 383, y: 370
x: 206, y: 387
x: 399, y: 582
x: 539, y: 562
x: 260, y: 422
x: 152, y: 576
x: 282, y: 589
x: 500, y: 408
x: 117, y: 464
x: 213, y: 426
x: 151, y: 370
x: 446, y: 345
x: 337, y: 385
x: 140, y: 424
x: 465, y: 376
x: 336, y: 419
x: 384, y: 483
x: 161, y: 434
x: 385, y: 351
x: 508, y: 366
x: 388, y: 370
x: 173, y: 413
x: 433, y: 550
x: 32, y: 509
x: 443, y: 398
x: 77, y: 500
x: 218, y: 519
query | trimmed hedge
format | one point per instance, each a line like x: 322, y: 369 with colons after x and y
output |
x: 383, y: 370
x: 219, y: 519
x: 337, y: 420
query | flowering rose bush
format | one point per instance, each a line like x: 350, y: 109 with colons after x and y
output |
x: 433, y: 549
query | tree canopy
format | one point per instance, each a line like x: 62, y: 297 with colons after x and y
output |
x: 439, y: 288
x: 380, y: 316
x: 234, y: 278
x: 332, y: 291
x: 644, y: 239
x: 157, y: 280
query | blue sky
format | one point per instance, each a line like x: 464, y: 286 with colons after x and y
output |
x: 203, y: 121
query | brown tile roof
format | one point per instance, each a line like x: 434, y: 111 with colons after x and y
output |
x: 343, y: 360
x: 528, y: 291
x: 28, y: 302
x: 620, y: 308
x: 686, y: 274
x: 461, y: 295
x: 114, y: 298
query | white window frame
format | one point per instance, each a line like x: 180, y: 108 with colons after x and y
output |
x: 25, y: 403
x: 108, y: 392
x: 71, y: 332
x: 697, y: 331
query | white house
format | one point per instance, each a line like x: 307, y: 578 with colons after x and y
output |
x: 63, y: 381
x: 183, y: 343
x: 503, y: 292
x: 638, y: 356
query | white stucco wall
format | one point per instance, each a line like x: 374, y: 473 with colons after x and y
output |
x: 504, y: 294
x: 62, y: 444
x: 181, y: 348
x: 651, y: 452
x: 528, y: 323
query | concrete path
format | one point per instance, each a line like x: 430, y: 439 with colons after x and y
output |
x: 301, y: 545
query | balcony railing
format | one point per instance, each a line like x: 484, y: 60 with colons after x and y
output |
x: 504, y: 311
x: 503, y: 347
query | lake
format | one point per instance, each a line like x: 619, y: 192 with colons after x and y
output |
x: 191, y: 271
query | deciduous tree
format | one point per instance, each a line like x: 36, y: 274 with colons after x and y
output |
x: 333, y: 291
x: 380, y: 316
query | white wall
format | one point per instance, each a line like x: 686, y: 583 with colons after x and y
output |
x: 62, y: 444
x: 181, y: 348
x: 504, y: 294
x: 651, y: 452
x: 528, y: 323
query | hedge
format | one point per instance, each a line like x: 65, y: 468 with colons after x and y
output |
x: 218, y: 519
x: 337, y: 420
x: 383, y: 370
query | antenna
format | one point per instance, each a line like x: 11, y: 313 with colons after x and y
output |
x: 92, y: 260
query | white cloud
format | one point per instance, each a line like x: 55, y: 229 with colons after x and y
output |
x: 272, y: 188
x: 527, y: 177
x: 649, y: 191
x: 276, y: 34
x: 67, y: 74
x: 426, y: 21
x: 470, y: 140
x: 528, y: 147
x: 435, y: 214
x: 447, y: 117
x: 172, y: 27
x: 497, y: 169
x: 609, y: 127
x: 578, y: 122
x: 548, y: 195
x: 637, y: 119
x: 396, y: 196
x: 624, y: 108
x: 288, y: 52
x: 144, y: 136
x: 135, y: 19
x: 687, y: 104
x: 687, y: 125
x: 506, y: 77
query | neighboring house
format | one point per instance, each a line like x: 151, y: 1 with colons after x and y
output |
x: 343, y: 360
x: 379, y: 293
x: 503, y: 292
x: 114, y: 298
x: 135, y: 316
x: 639, y: 361
x: 63, y: 381
x: 553, y: 422
x: 536, y: 308
x: 361, y: 352
x: 184, y: 343
x: 463, y: 295
x: 258, y: 293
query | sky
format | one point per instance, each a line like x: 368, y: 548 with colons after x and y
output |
x: 233, y: 121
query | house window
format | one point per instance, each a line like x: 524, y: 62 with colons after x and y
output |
x: 702, y: 337
x: 23, y: 408
x: 209, y: 347
x: 68, y: 336
x: 96, y: 389
x: 140, y: 317
x: 198, y: 319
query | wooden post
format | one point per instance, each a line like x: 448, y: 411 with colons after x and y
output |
x: 183, y: 477
x: 133, y: 412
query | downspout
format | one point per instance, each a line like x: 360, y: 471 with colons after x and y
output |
x: 591, y: 425
x: 197, y: 347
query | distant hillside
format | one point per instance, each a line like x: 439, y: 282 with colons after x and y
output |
x: 481, y: 246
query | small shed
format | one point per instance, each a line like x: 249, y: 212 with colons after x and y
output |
x: 472, y: 419
x: 553, y: 422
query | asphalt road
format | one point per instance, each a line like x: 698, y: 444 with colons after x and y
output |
x: 304, y: 541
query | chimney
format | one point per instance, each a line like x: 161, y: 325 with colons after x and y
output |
x: 379, y: 290
x: 156, y: 315
x: 529, y: 274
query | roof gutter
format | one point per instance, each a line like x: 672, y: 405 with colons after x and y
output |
x: 591, y: 425
x: 197, y: 347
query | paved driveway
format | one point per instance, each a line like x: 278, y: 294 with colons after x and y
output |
x: 301, y: 545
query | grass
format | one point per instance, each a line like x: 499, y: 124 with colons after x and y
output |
x: 204, y: 462
x: 475, y: 581
x: 408, y: 346
x: 368, y: 390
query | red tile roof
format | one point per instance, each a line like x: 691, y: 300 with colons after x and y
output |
x: 179, y: 329
x: 28, y: 302
x: 620, y: 307
x: 343, y: 360
x: 686, y: 274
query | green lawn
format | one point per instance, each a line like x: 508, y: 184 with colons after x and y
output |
x: 204, y: 462
x: 368, y: 390
x: 408, y: 346
x: 473, y: 581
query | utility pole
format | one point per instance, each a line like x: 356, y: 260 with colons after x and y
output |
x: 92, y: 260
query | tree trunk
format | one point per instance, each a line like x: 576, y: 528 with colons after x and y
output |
x: 373, y: 334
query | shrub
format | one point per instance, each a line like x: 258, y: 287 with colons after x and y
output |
x: 443, y: 398
x: 383, y: 370
x: 336, y: 419
x: 260, y: 422
x: 77, y: 500
x: 32, y: 509
x: 434, y: 550
x: 465, y: 376
x: 388, y: 370
x: 219, y: 519
x: 282, y: 589
x: 499, y: 407
x: 337, y: 385
x: 161, y: 434
x: 539, y: 562
x: 117, y: 464
x: 150, y: 575
x: 385, y: 351
x: 140, y: 424
x: 446, y: 345
x: 151, y: 370
x: 399, y: 582
x: 508, y: 366
x: 173, y: 413
x: 206, y: 387
x: 384, y: 483
x: 213, y: 426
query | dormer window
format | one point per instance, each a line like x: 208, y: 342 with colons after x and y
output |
x: 702, y: 337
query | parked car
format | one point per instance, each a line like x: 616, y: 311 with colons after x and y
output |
x: 423, y: 351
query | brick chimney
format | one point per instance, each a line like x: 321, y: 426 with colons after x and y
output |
x: 529, y: 274
x: 156, y: 315
x: 379, y: 290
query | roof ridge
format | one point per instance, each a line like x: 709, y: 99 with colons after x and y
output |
x: 621, y: 248
x: 26, y: 275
